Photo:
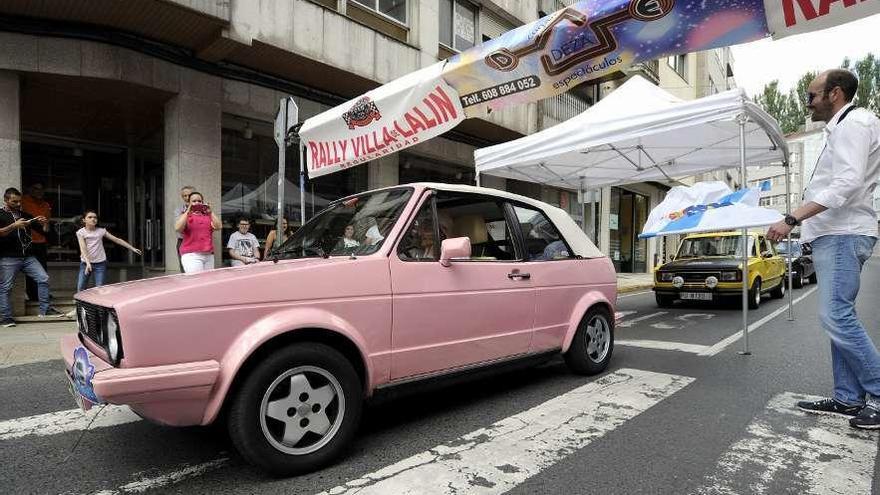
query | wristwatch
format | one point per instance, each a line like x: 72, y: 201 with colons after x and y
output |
x: 792, y: 221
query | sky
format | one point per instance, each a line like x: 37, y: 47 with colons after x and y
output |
x: 760, y: 62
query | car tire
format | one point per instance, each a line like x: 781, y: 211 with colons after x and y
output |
x: 309, y: 381
x: 778, y: 292
x: 755, y: 294
x: 593, y: 343
x: 664, y: 301
x: 797, y: 279
x: 813, y: 279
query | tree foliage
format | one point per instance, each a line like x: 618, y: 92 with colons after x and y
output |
x: 791, y: 110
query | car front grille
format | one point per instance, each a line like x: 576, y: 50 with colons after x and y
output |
x: 694, y: 277
x: 92, y: 321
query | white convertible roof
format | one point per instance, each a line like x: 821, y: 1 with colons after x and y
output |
x: 639, y: 133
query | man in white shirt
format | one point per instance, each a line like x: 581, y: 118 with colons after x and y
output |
x: 185, y: 191
x: 840, y: 224
x: 244, y: 248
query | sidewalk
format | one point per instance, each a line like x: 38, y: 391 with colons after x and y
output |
x: 39, y: 341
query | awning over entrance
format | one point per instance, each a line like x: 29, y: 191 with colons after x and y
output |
x: 639, y: 133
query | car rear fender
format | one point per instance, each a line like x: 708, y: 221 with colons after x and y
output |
x: 269, y: 327
x: 587, y: 301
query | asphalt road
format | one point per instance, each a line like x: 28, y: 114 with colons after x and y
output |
x: 679, y: 411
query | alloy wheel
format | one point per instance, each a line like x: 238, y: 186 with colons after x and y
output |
x: 302, y: 410
x: 599, y: 333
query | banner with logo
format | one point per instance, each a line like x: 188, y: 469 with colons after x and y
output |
x: 586, y: 41
x: 789, y: 17
x: 708, y: 207
x: 591, y: 39
x: 387, y: 119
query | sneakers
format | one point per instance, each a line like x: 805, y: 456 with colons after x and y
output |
x: 52, y: 313
x: 8, y: 323
x: 867, y: 419
x: 831, y: 407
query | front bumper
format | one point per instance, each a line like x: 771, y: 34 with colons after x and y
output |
x: 173, y: 394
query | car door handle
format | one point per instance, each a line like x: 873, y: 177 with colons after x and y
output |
x: 518, y: 275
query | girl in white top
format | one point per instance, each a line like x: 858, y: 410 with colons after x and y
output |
x: 93, y: 258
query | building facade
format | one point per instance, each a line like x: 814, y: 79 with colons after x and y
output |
x: 117, y: 105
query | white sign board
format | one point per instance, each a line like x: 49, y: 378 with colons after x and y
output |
x: 789, y: 17
x: 392, y: 117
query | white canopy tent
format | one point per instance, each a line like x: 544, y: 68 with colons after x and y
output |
x: 639, y: 133
x: 642, y: 133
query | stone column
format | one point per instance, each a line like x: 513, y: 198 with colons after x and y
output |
x: 384, y: 172
x: 192, y: 152
x: 10, y: 132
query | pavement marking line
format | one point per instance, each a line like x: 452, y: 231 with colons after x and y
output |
x: 497, y: 458
x: 629, y: 323
x: 720, y: 346
x: 66, y: 421
x: 631, y: 294
x: 806, y: 453
x: 165, y: 480
x: 663, y: 345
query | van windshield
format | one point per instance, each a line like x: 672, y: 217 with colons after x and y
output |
x: 357, y: 225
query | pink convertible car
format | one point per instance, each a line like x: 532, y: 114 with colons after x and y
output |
x: 379, y: 290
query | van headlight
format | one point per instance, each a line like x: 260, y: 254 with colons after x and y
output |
x: 665, y: 276
x: 112, y: 338
x: 711, y: 282
x: 677, y: 282
x: 729, y: 276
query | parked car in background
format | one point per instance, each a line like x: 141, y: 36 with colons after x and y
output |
x: 802, y: 269
x: 708, y: 267
x: 378, y: 290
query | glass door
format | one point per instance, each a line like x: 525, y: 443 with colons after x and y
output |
x: 149, y: 210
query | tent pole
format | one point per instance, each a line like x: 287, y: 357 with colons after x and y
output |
x: 741, y: 120
x: 302, y: 185
x: 787, y: 167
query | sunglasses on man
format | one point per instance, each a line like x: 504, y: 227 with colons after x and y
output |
x: 812, y: 96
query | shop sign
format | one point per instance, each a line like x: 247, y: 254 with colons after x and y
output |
x: 789, y: 17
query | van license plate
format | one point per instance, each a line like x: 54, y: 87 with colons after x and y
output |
x: 696, y: 296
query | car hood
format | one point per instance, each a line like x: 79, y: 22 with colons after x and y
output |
x: 702, y: 264
x: 208, y: 286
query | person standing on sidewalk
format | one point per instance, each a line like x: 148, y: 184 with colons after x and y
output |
x: 840, y: 223
x: 16, y: 256
x: 197, y: 224
x: 35, y: 204
x: 185, y: 191
x: 93, y: 258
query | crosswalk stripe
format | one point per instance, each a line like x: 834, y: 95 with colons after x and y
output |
x: 494, y: 459
x: 66, y: 421
x: 808, y: 453
x: 663, y: 345
x: 167, y: 479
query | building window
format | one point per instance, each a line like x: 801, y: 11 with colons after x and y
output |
x: 679, y: 65
x: 395, y: 9
x: 458, y: 24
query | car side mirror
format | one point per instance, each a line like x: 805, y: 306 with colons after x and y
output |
x: 457, y: 247
x: 806, y: 249
x: 768, y: 254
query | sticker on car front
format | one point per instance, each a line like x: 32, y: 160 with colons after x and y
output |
x: 81, y: 374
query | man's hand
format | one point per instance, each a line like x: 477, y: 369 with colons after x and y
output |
x: 41, y: 219
x: 778, y: 231
x: 21, y: 223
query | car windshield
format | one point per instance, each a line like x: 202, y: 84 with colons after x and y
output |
x: 353, y: 226
x: 700, y: 247
x: 782, y: 248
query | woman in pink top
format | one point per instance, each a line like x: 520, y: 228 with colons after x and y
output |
x: 197, y: 224
x: 91, y: 247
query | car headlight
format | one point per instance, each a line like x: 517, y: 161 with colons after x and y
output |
x: 112, y: 338
x: 711, y: 282
x: 665, y: 276
x: 678, y: 282
x: 729, y: 276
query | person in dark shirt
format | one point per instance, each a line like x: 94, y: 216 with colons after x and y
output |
x: 16, y: 255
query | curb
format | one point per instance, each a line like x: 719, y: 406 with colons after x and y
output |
x: 634, y: 288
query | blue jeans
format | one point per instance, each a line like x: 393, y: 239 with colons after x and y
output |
x: 9, y: 268
x: 854, y: 358
x: 99, y: 269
